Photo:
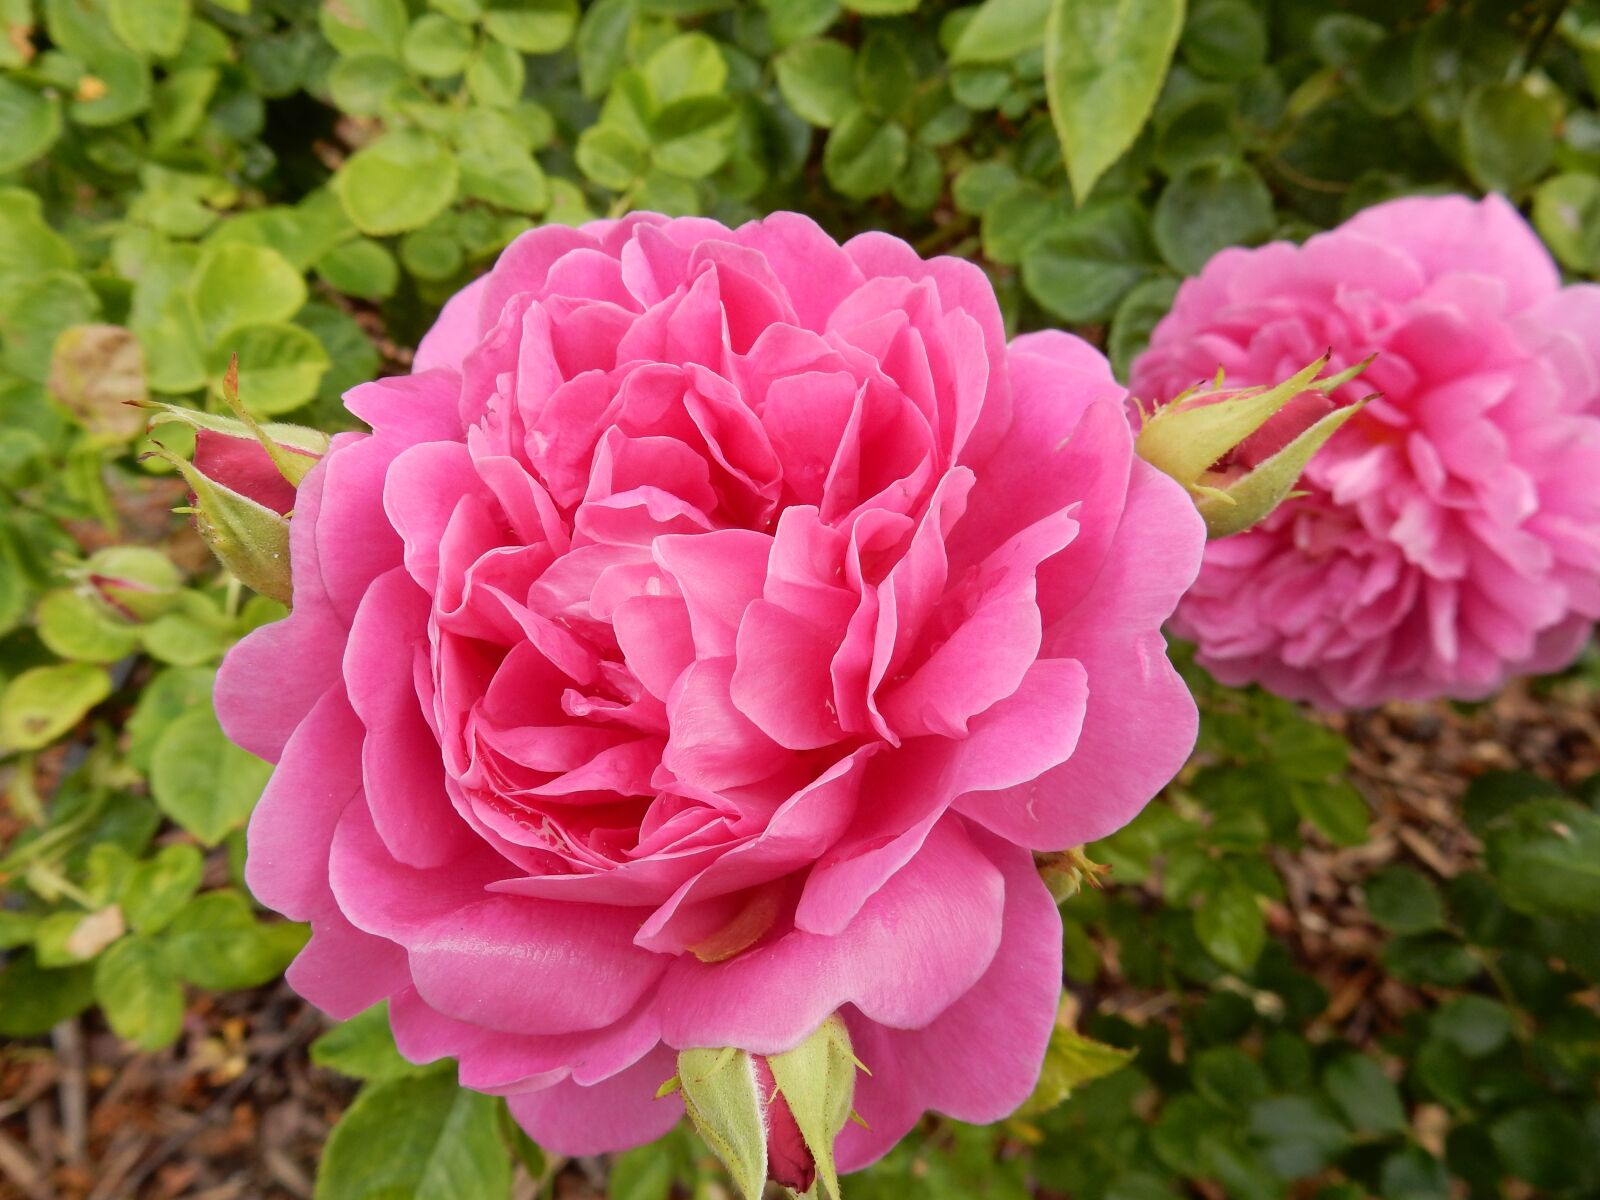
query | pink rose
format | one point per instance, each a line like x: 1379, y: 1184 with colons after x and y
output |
x: 1450, y: 539
x: 702, y: 642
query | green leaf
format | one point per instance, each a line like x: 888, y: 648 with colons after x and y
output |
x: 141, y: 998
x: 203, y: 781
x: 416, y: 1138
x: 1545, y: 855
x: 1228, y: 1077
x: 864, y: 155
x: 885, y: 74
x: 532, y: 26
x: 1299, y: 1136
x: 436, y: 46
x: 1225, y: 39
x: 1230, y: 925
x: 360, y: 267
x: 28, y: 246
x: 363, y: 1048
x: 1566, y: 212
x: 1105, y: 61
x: 1090, y: 260
x: 1335, y: 809
x: 817, y: 80
x: 693, y: 136
x: 1402, y: 900
x: 1135, y: 319
x: 1507, y: 137
x: 1000, y: 30
x: 42, y: 703
x: 1367, y: 1098
x: 400, y: 181
x: 601, y: 44
x: 1070, y: 1061
x: 30, y: 123
x: 237, y: 284
x: 362, y: 84
x: 159, y: 887
x: 690, y: 64
x: 496, y: 75
x: 280, y: 366
x: 35, y: 313
x: 1208, y: 209
x: 1475, y: 1025
x: 71, y: 936
x: 33, y: 1000
x: 357, y: 26
x: 152, y: 27
x: 216, y: 942
x: 73, y: 626
x: 1537, y: 1145
x: 609, y: 156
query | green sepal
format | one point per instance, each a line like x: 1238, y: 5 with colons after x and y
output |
x: 1246, y: 500
x: 723, y: 1101
x: 818, y: 1081
x: 249, y: 539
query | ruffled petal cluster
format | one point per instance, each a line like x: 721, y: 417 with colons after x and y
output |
x: 1450, y: 537
x: 701, y: 642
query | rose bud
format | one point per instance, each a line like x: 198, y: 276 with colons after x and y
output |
x: 132, y: 583
x: 773, y: 1116
x: 242, y: 483
x: 1239, y: 452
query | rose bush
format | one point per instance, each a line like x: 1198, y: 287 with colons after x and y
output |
x: 703, y: 640
x: 1449, y: 539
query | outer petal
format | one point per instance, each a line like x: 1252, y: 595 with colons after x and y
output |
x: 615, y: 1114
x: 979, y: 1059
x: 923, y: 940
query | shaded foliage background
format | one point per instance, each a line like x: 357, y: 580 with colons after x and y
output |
x: 1345, y: 957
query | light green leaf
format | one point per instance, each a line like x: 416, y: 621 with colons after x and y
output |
x: 152, y: 27
x: 216, y: 942
x: 1070, y: 1061
x: 74, y: 627
x: 1105, y: 61
x: 42, y: 703
x: 30, y: 122
x: 436, y: 46
x: 140, y: 996
x: 817, y: 80
x: 1001, y: 30
x: 399, y: 182
x: 360, y: 267
x: 280, y: 366
x: 532, y: 26
x: 237, y: 283
x: 203, y: 781
x: 159, y: 887
x: 1566, y: 212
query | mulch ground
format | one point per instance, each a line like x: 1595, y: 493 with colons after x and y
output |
x: 236, y: 1111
